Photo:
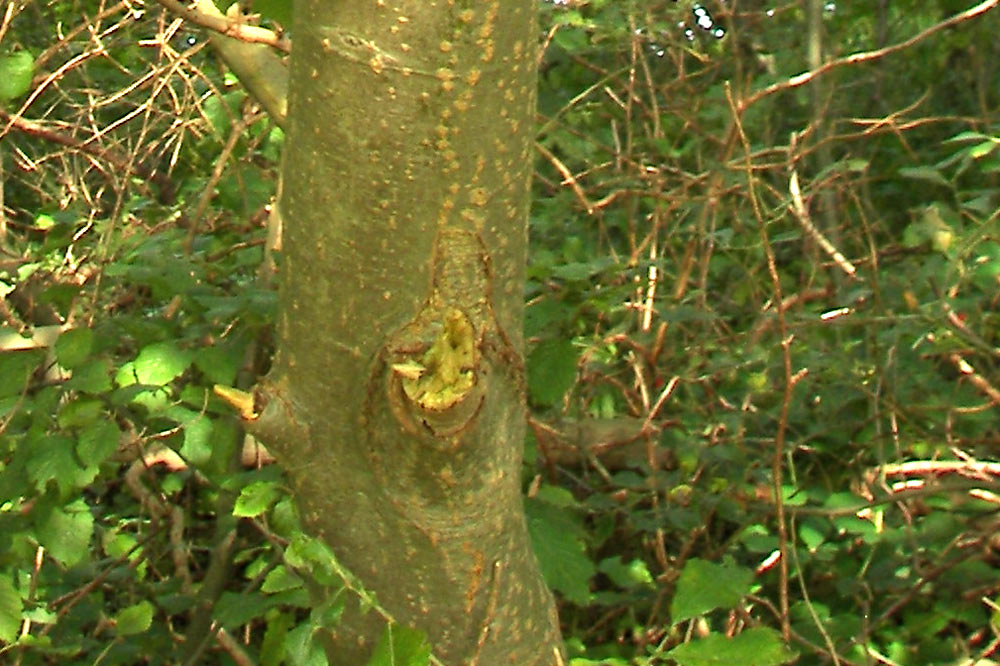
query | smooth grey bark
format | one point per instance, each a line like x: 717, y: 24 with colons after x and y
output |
x: 396, y: 399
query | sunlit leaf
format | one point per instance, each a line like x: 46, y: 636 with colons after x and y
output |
x: 401, y: 646
x: 134, y: 619
x: 10, y: 610
x: 16, y: 70
x: 759, y: 646
x: 705, y: 586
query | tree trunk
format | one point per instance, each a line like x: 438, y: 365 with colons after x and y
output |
x: 396, y: 397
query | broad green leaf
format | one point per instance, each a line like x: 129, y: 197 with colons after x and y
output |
x: 16, y: 71
x: 65, y: 532
x: 10, y: 610
x: 551, y: 371
x: 401, y: 646
x: 197, y: 447
x: 15, y: 368
x: 74, y: 346
x: 160, y: 363
x: 97, y: 442
x: 301, y: 647
x: 80, y: 412
x: 91, y: 377
x: 53, y: 460
x: 760, y: 646
x: 256, y: 498
x: 705, y: 586
x: 557, y: 535
x: 233, y: 609
x: 280, y: 579
x: 218, y: 363
x: 134, y: 619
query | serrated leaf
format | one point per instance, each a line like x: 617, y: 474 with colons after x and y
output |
x: 134, y: 619
x: 557, y: 536
x: 65, y: 532
x: 16, y: 71
x: 160, y: 363
x: 705, y: 586
x: 74, y: 346
x: 97, y: 442
x: 255, y: 499
x: 52, y: 459
x: 401, y: 646
x: 551, y: 371
x: 11, y: 608
x: 759, y: 646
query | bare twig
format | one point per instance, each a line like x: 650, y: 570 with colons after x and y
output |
x: 228, y: 27
x: 865, y: 56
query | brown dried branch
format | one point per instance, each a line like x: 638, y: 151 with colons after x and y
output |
x: 229, y: 27
x: 865, y: 56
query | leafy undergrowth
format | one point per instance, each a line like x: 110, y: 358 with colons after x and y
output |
x: 763, y: 359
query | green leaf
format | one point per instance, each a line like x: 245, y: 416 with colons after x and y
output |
x: 280, y: 579
x: 15, y: 368
x: 97, y: 442
x: 10, y: 610
x: 625, y: 576
x: 233, y: 609
x: 301, y: 649
x: 219, y: 363
x: 551, y: 371
x: 197, y: 448
x: 134, y: 619
x: 272, y: 647
x: 924, y: 173
x: 52, y: 459
x: 80, y: 412
x: 277, y: 10
x: 74, y: 346
x: 401, y: 646
x: 65, y: 532
x: 16, y: 71
x: 983, y: 149
x: 557, y: 535
x: 705, y: 586
x: 160, y: 363
x: 256, y: 498
x: 93, y: 377
x: 759, y: 646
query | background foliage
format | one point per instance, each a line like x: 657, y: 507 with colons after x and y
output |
x: 763, y: 360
